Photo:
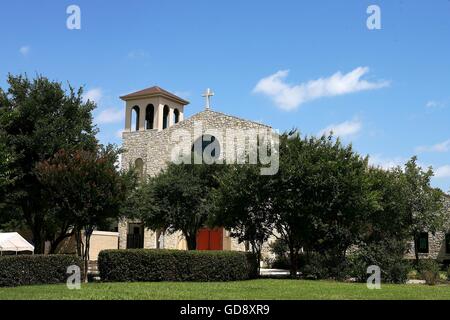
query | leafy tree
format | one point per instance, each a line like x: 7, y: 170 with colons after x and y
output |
x: 322, y: 197
x: 424, y: 204
x: 243, y: 204
x: 178, y: 199
x: 388, y: 218
x: 87, y: 190
x: 38, y: 118
x: 384, y: 240
x: 6, y: 177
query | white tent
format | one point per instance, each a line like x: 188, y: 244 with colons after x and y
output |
x: 12, y: 241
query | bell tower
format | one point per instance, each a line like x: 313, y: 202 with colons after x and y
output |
x: 152, y: 109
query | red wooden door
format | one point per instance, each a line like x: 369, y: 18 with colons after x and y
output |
x: 210, y: 239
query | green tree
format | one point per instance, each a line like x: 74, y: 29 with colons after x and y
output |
x: 322, y: 197
x: 424, y: 204
x: 7, y: 178
x: 178, y: 199
x: 388, y: 218
x: 86, y: 189
x: 38, y: 118
x: 385, y: 238
x: 243, y: 204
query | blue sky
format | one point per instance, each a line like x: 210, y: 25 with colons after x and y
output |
x: 313, y: 65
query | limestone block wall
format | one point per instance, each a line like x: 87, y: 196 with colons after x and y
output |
x: 156, y: 147
x: 102, y: 240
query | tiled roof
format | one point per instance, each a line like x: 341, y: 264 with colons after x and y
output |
x: 153, y: 91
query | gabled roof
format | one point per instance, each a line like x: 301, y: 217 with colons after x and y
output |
x: 229, y: 116
x: 153, y: 91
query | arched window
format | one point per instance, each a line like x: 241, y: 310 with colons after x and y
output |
x: 149, y: 116
x: 165, y: 117
x: 176, y: 116
x: 135, y: 118
x: 208, y: 147
x: 139, y: 165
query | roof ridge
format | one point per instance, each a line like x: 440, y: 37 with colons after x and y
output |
x: 232, y: 116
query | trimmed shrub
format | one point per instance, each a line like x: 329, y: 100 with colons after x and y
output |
x: 315, y: 267
x: 175, y: 265
x: 281, y: 259
x: 35, y: 269
x: 429, y: 271
x: 388, y: 255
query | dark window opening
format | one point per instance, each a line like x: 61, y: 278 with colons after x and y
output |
x: 149, y: 116
x: 447, y: 243
x: 135, y: 118
x: 422, y: 242
x: 165, y: 117
x: 176, y: 114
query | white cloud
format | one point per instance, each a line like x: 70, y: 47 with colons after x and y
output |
x: 110, y: 115
x: 442, y: 172
x: 439, y: 147
x: 24, y: 50
x: 434, y: 104
x: 95, y: 95
x: 344, y: 129
x: 386, y: 163
x: 137, y: 54
x: 289, y: 97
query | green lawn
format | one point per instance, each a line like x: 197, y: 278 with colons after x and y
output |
x: 253, y: 289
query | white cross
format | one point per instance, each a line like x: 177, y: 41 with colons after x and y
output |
x: 208, y: 94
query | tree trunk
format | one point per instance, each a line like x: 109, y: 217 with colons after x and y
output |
x: 416, y: 249
x: 39, y: 243
x: 35, y: 226
x: 293, y: 255
x: 78, y: 242
x: 256, y: 250
x: 55, y: 243
x: 191, y: 242
x: 87, y: 245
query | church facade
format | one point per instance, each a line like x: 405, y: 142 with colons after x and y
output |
x: 154, y: 128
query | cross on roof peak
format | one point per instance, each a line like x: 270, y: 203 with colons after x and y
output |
x: 208, y: 94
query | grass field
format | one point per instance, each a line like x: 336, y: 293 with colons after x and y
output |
x: 252, y: 289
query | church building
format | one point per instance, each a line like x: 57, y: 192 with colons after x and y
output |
x: 153, y: 118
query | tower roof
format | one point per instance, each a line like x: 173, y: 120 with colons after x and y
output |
x: 152, y: 92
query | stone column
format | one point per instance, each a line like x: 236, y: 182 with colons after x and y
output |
x: 142, y: 117
x: 181, y: 111
x: 171, y: 117
x: 160, y: 117
x: 128, y: 118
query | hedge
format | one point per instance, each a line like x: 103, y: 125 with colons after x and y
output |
x: 175, y: 265
x: 35, y: 269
